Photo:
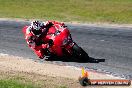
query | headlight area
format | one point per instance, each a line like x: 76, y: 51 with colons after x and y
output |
x: 65, y: 41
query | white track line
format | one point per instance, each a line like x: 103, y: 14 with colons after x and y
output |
x: 2, y: 54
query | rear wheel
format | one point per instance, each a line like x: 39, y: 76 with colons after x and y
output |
x: 79, y: 53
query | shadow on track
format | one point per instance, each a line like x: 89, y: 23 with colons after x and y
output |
x: 69, y: 59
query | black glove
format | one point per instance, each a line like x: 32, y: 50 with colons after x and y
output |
x: 50, y: 42
x: 49, y: 25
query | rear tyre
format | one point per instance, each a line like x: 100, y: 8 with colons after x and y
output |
x: 79, y: 53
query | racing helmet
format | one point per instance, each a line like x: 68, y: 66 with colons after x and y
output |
x: 36, y: 26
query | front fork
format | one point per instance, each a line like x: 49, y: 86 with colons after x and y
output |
x: 68, y: 48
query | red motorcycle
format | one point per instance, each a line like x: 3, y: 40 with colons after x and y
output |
x: 62, y: 44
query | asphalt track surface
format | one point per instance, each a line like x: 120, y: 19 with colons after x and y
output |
x: 114, y: 44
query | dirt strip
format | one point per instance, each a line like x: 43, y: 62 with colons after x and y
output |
x: 63, y: 75
x: 94, y: 24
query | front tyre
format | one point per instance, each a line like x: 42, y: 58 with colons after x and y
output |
x: 79, y: 53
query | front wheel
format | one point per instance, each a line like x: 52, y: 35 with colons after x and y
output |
x: 79, y: 53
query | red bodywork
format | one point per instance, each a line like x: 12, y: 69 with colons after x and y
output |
x: 62, y: 41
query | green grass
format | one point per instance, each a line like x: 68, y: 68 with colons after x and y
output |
x: 14, y: 84
x: 7, y: 80
x: 17, y: 83
x: 111, y: 11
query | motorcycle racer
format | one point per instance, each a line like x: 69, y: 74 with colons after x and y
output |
x: 35, y: 32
